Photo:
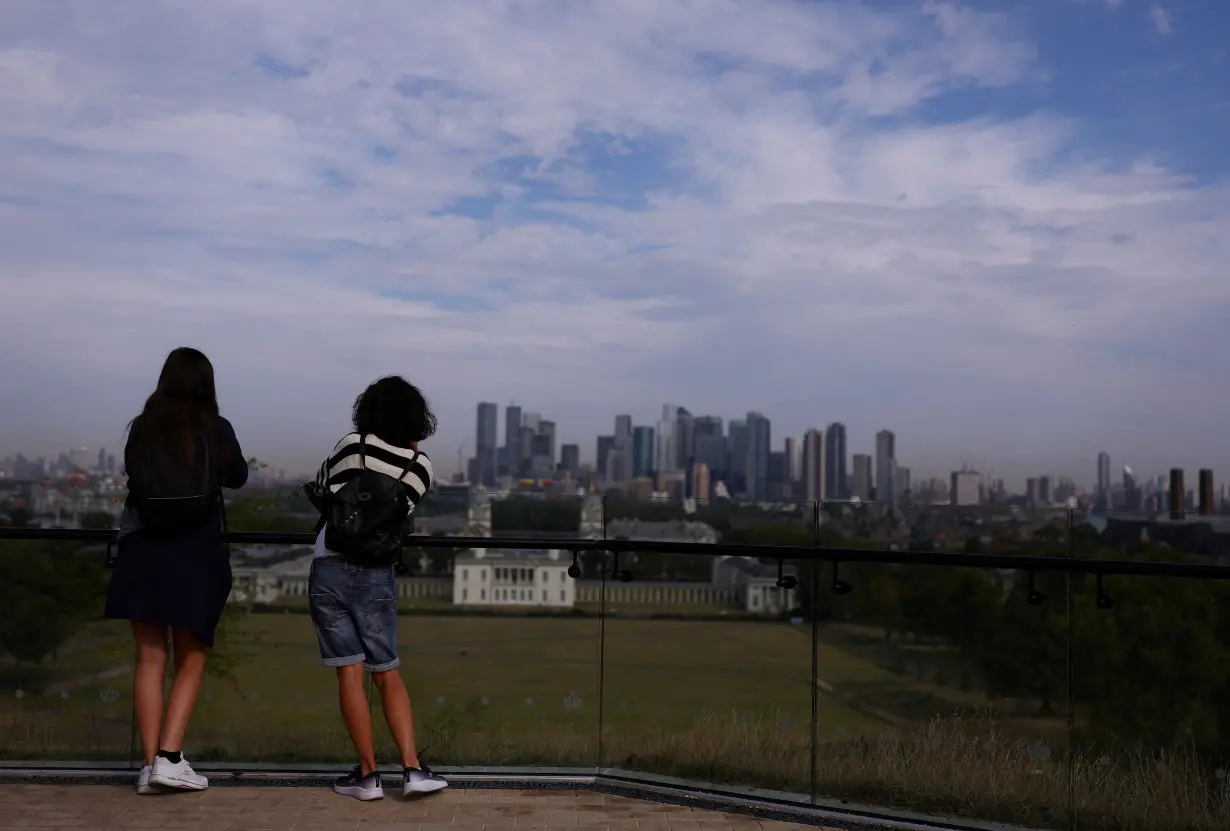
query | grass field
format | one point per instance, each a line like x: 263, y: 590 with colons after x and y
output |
x: 728, y: 702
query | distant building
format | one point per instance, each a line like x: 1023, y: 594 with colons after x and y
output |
x: 512, y: 577
x: 813, y: 473
x: 836, y: 473
x: 643, y: 450
x: 699, y: 486
x: 861, y: 477
x: 570, y: 458
x: 1103, y: 494
x: 759, y: 441
x: 966, y: 489
x: 886, y: 467
x: 539, y: 579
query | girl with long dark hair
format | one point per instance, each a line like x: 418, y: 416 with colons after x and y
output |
x: 172, y: 572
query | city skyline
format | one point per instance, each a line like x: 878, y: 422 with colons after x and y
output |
x: 587, y: 450
x: 996, y: 229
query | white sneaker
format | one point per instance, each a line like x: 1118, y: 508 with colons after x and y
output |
x: 364, y: 788
x: 177, y: 775
x: 421, y: 780
x: 144, y: 788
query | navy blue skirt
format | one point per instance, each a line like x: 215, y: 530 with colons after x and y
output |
x: 182, y: 582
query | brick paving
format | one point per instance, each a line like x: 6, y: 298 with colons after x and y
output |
x: 116, y: 807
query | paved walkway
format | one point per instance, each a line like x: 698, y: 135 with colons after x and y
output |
x: 113, y: 807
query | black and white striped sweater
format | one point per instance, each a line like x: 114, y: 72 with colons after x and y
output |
x: 378, y: 456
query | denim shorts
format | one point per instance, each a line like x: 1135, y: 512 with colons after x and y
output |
x: 354, y: 610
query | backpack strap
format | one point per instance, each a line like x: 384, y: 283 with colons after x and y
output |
x: 409, y: 465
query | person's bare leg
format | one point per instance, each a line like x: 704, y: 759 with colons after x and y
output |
x: 395, y: 702
x: 151, y: 642
x: 189, y: 669
x: 357, y: 714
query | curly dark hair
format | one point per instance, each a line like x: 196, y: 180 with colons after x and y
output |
x: 395, y: 411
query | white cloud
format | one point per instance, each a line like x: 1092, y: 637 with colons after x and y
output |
x: 1162, y: 20
x: 788, y: 233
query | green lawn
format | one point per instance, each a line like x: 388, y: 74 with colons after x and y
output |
x: 471, y: 679
x: 727, y: 702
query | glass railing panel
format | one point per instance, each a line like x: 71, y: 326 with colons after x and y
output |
x: 265, y: 699
x: 707, y: 664
x: 500, y: 646
x: 1151, y: 682
x: 498, y: 674
x: 949, y: 693
x: 65, y: 672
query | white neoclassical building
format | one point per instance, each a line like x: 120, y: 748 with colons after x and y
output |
x: 508, y: 577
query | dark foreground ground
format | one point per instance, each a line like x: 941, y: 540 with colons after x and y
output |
x: 112, y: 808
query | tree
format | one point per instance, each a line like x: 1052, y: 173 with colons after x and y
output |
x: 53, y: 589
x: 557, y: 515
x: 97, y: 520
x: 264, y: 514
x: 20, y: 517
x: 1022, y: 649
x: 1154, y: 668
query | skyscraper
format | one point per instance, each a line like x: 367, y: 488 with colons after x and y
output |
x: 886, y: 464
x: 861, y: 477
x: 570, y: 458
x: 759, y: 441
x: 966, y: 488
x: 709, y: 445
x: 685, y: 439
x: 1104, y: 485
x: 736, y: 462
x: 547, y: 429
x: 526, y: 446
x: 642, y: 452
x: 486, y: 438
x: 699, y: 486
x: 903, y: 481
x: 813, y: 472
x: 606, y: 444
x: 1044, y: 490
x: 793, y: 460
x: 619, y: 464
x: 836, y: 472
x: 512, y: 437
x: 667, y: 456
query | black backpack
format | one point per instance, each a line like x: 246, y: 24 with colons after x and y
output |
x: 364, y: 519
x: 172, y: 497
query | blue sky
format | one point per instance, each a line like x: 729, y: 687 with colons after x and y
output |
x: 997, y: 228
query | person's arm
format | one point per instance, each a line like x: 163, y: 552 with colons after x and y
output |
x: 235, y: 473
x: 418, y: 480
x: 129, y: 465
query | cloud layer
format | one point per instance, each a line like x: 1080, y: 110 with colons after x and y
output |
x: 889, y: 217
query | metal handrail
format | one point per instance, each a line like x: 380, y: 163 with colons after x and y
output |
x: 1013, y: 562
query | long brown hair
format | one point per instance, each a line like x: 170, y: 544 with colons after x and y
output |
x: 184, y: 403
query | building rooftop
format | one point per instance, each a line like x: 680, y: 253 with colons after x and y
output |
x: 511, y: 555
